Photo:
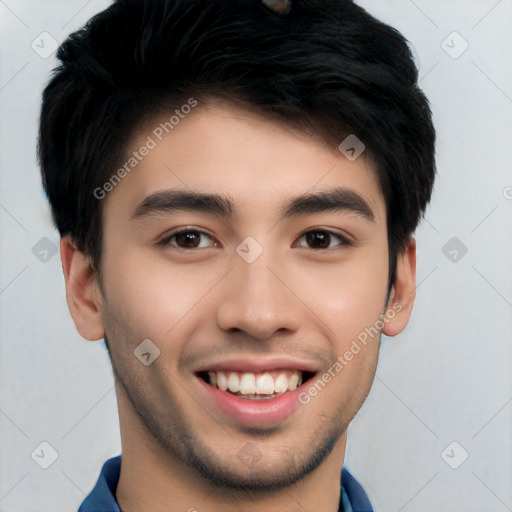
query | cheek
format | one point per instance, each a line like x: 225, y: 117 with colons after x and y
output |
x: 152, y: 298
x: 348, y: 296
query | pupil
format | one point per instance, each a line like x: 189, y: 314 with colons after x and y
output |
x: 319, y: 239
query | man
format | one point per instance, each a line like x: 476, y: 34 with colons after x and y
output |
x: 236, y: 185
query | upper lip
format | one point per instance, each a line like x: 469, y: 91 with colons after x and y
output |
x: 257, y: 364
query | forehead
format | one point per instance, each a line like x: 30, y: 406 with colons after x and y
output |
x: 220, y: 148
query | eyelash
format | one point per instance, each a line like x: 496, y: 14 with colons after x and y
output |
x: 343, y: 241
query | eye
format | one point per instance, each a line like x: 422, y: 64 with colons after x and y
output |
x: 321, y: 239
x: 188, y: 239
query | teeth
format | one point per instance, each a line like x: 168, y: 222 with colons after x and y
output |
x: 293, y: 382
x: 256, y: 386
x: 233, y: 382
x: 281, y: 384
x: 222, y: 382
x: 256, y: 397
x: 265, y: 385
x: 247, y: 384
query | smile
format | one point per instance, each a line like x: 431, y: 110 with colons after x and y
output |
x: 254, y: 393
x: 255, y: 386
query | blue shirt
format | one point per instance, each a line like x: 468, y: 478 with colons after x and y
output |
x: 102, y: 498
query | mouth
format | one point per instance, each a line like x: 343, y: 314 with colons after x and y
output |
x: 265, y: 385
x: 254, y: 391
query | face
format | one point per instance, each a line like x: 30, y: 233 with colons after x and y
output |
x: 253, y: 259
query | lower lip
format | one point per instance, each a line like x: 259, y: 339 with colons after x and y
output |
x: 254, y: 412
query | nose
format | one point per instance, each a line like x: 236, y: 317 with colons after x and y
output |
x: 258, y: 300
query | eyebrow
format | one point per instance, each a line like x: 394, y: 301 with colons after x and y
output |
x: 172, y: 200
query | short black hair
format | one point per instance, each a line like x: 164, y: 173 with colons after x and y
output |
x: 326, y: 67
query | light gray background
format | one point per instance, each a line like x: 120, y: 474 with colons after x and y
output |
x: 446, y: 379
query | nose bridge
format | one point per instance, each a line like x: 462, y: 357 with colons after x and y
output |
x: 256, y: 300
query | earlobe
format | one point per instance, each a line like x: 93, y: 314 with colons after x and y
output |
x: 403, y: 292
x: 82, y: 291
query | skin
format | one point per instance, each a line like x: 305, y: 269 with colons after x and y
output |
x: 207, y: 303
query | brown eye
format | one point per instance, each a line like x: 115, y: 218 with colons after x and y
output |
x: 322, y: 239
x: 188, y: 239
x: 318, y: 239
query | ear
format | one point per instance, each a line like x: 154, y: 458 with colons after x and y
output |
x: 83, y: 293
x: 403, y: 291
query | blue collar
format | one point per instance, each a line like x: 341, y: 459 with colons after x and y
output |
x: 102, y: 498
